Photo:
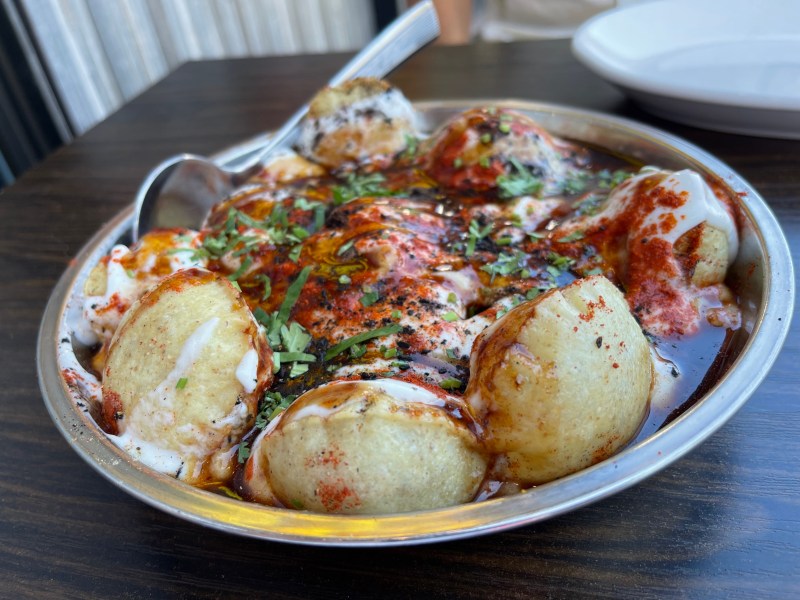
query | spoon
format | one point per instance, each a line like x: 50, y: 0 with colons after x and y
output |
x: 180, y: 191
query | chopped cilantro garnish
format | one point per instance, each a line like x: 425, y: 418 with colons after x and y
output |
x: 532, y: 293
x: 359, y: 186
x: 452, y: 298
x: 130, y: 273
x: 243, y: 453
x: 241, y: 270
x: 267, y: 285
x: 451, y: 354
x: 451, y: 383
x: 504, y: 127
x: 369, y: 298
x: 450, y: 316
x: 273, y: 404
x: 506, y: 264
x: 504, y: 241
x: 303, y: 204
x: 287, y: 357
x: 572, y: 237
x: 562, y: 263
x: 475, y: 234
x: 357, y: 350
x: 485, y: 162
x: 458, y: 162
x: 345, y: 247
x: 181, y: 383
x: 292, y: 294
x: 609, y: 180
x: 411, y: 145
x: 361, y: 338
x: 575, y: 182
x: 486, y: 138
x: 344, y: 279
x: 294, y: 253
x: 396, y: 314
x: 519, y: 184
x: 388, y: 352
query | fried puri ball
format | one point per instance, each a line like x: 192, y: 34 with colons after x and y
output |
x: 184, y: 373
x: 561, y: 382
x: 364, y: 121
x: 369, y: 447
x: 496, y: 149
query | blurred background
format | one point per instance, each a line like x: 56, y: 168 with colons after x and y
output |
x: 65, y: 65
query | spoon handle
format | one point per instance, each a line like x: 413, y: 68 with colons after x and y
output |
x: 414, y: 29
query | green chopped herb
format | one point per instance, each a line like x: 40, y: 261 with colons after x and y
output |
x: 294, y: 253
x: 476, y: 233
x: 452, y: 298
x: 537, y: 236
x: 292, y: 294
x: 411, y: 145
x: 562, y: 263
x: 609, y: 180
x: 519, y: 184
x: 359, y: 186
x: 357, y: 350
x: 294, y: 338
x: 130, y: 273
x: 396, y: 314
x: 287, y: 357
x: 554, y: 271
x: 267, y: 285
x: 361, y: 338
x: 590, y: 205
x: 303, y: 204
x: 572, y: 237
x: 574, y: 183
x: 532, y: 293
x: 389, y: 352
x: 504, y: 241
x: 504, y: 127
x: 451, y: 383
x: 344, y: 279
x: 369, y: 298
x: 243, y: 453
x: 486, y: 138
x: 298, y: 369
x: 241, y: 270
x: 451, y: 354
x: 272, y: 405
x: 595, y: 271
x: 458, y: 162
x: 345, y: 247
x: 485, y: 162
x: 181, y: 383
x: 450, y: 316
x: 506, y: 265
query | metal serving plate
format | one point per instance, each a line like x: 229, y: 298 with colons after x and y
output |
x: 762, y: 274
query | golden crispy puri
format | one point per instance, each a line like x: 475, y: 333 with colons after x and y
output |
x: 184, y: 373
x: 363, y: 121
x: 560, y: 382
x: 370, y: 447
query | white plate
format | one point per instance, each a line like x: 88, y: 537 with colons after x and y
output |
x: 729, y: 65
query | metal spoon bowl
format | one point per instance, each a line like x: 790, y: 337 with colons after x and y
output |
x: 181, y: 190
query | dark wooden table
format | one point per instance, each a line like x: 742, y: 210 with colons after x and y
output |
x: 722, y: 522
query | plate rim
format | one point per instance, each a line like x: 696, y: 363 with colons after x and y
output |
x: 467, y: 520
x: 586, y: 47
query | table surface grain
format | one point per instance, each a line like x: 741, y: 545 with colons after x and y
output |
x: 724, y: 521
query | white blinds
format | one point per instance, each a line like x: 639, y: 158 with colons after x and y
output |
x: 100, y: 53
